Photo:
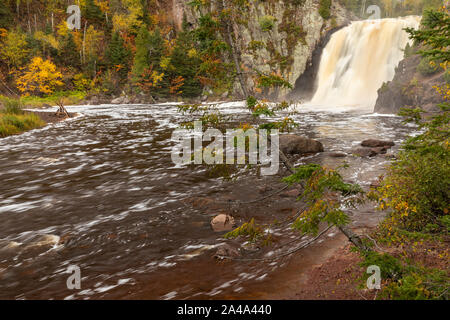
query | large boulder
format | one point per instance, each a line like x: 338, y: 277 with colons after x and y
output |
x: 294, y: 144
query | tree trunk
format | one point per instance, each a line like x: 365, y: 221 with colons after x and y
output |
x: 353, y: 238
x: 84, y: 43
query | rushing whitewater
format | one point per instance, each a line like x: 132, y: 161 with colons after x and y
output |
x: 358, y: 59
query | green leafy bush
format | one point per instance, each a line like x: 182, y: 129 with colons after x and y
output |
x: 267, y: 23
x: 426, y: 67
x: 324, y: 8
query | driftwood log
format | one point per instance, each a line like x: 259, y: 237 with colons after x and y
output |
x: 62, y: 110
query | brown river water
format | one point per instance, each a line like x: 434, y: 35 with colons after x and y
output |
x: 102, y: 190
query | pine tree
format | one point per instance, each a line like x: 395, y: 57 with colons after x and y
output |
x: 186, y: 63
x: 92, y: 12
x: 69, y: 52
x: 435, y: 34
x: 117, y: 55
x: 141, y: 58
x: 156, y: 49
x: 5, y: 15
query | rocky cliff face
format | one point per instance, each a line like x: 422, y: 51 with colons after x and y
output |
x: 287, y: 48
x: 409, y: 88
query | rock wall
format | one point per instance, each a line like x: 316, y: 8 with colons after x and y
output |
x: 288, y: 47
x: 409, y: 88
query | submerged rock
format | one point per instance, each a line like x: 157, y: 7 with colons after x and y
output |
x: 369, y: 152
x: 46, y: 240
x: 294, y: 144
x: 291, y: 193
x: 364, y: 152
x: 11, y: 246
x: 336, y: 154
x: 377, y: 143
x: 226, y: 251
x: 222, y: 222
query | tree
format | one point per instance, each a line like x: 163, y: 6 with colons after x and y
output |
x: 39, y: 77
x: 14, y: 48
x: 92, y: 12
x: 134, y: 19
x: 68, y: 51
x: 186, y: 64
x: 147, y: 61
x: 92, y: 48
x: 117, y: 55
x: 435, y: 34
x: 5, y: 15
x: 156, y: 49
x: 141, y: 58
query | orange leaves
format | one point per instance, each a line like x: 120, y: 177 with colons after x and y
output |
x: 176, y: 84
x: 150, y: 79
x: 39, y: 77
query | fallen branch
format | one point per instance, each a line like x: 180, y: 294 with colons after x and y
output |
x: 62, y: 110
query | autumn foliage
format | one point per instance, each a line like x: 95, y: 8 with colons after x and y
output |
x: 40, y: 77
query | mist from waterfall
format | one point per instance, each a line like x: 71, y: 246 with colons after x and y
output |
x: 358, y: 59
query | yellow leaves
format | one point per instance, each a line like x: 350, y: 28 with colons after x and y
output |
x: 157, y: 77
x: 82, y: 83
x: 132, y: 19
x: 93, y: 41
x: 47, y: 39
x: 245, y: 126
x: 443, y: 90
x: 192, y: 53
x: 165, y: 63
x: 103, y: 5
x: 40, y: 77
x: 62, y: 29
x: 13, y: 48
x: 120, y: 22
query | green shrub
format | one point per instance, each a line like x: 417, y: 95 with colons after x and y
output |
x: 13, y: 123
x: 418, y: 284
x: 410, y: 50
x: 255, y: 45
x: 267, y: 23
x: 447, y: 76
x: 272, y: 80
x: 390, y: 267
x: 416, y: 188
x: 426, y: 67
x: 324, y: 8
x: 12, y: 106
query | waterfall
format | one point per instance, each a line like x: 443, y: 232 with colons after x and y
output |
x: 358, y: 59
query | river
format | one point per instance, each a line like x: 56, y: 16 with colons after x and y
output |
x: 103, y: 185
